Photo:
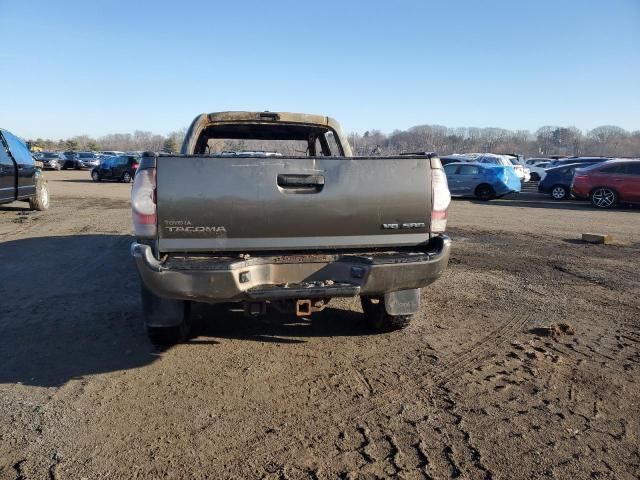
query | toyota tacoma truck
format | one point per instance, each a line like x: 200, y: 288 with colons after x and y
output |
x: 272, y: 212
x: 20, y: 177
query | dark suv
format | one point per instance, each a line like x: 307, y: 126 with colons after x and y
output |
x: 122, y: 168
x: 20, y: 178
x: 71, y: 161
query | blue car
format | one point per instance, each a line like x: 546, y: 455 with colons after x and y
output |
x: 483, y: 181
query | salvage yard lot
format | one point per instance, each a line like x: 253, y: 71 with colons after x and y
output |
x: 476, y: 387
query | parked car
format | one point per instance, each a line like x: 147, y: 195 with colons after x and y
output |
x: 505, y: 161
x: 538, y: 170
x: 483, y: 181
x: 572, y: 160
x: 607, y: 184
x: 526, y: 172
x: 111, y: 153
x: 557, y: 181
x: 20, y: 178
x: 121, y: 168
x: 88, y: 159
x: 71, y: 161
x: 456, y: 158
x: 529, y: 162
x: 51, y: 160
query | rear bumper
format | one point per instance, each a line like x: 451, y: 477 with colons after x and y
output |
x: 502, y: 188
x: 214, y: 279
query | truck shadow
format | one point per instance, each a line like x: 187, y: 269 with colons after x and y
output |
x: 70, y: 308
x: 223, y: 321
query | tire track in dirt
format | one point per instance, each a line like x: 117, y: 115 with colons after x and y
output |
x: 262, y: 447
x: 600, y: 275
x: 555, y: 372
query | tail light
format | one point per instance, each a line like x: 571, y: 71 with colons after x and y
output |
x: 440, y: 198
x: 143, y: 203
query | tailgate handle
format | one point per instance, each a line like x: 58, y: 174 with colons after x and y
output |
x: 301, y: 183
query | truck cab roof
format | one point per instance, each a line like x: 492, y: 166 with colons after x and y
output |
x: 241, y: 125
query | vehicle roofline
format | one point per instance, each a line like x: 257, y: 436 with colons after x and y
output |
x: 205, y: 119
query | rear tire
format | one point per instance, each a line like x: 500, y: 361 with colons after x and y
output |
x: 603, y: 197
x: 485, y: 192
x: 559, y: 192
x: 95, y: 176
x: 40, y: 201
x: 165, y: 336
x: 378, y: 319
x: 126, y: 177
x: 157, y: 310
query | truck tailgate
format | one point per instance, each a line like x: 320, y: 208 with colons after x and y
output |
x: 255, y: 203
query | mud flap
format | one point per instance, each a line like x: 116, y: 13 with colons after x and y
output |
x: 403, y: 302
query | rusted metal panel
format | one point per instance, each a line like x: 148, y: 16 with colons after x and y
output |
x: 205, y: 120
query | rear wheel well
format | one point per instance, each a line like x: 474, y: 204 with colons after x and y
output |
x: 604, y: 186
x: 485, y: 191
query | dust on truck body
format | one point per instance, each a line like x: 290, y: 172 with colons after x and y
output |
x: 272, y: 211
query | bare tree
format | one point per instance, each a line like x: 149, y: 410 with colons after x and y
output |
x: 547, y: 140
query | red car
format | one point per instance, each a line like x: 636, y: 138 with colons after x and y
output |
x: 609, y: 183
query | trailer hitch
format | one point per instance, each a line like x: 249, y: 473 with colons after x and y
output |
x: 306, y: 307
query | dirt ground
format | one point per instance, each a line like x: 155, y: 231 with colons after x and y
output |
x: 476, y: 387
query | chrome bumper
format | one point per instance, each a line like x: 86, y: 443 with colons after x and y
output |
x: 214, y: 279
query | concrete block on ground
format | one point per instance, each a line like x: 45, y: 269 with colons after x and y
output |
x: 597, y: 238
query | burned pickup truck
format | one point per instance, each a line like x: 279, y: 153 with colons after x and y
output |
x: 272, y: 211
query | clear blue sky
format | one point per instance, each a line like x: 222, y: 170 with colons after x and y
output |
x: 97, y: 67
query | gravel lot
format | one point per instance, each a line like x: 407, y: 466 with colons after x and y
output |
x: 476, y: 387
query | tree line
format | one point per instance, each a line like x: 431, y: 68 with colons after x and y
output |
x: 606, y: 140
x: 136, y: 141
